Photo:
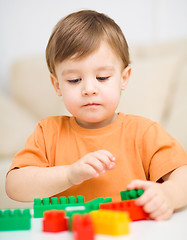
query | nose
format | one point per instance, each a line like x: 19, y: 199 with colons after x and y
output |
x: 89, y: 88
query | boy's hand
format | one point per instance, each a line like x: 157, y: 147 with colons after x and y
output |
x: 155, y: 200
x: 91, y: 165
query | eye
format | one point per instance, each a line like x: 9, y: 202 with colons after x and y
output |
x: 74, y: 80
x: 102, y: 78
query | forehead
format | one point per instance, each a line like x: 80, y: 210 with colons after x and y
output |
x: 103, y: 58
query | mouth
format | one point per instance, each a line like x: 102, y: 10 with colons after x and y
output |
x: 91, y: 105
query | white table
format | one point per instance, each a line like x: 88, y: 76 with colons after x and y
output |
x: 172, y: 229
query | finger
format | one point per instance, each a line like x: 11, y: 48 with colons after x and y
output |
x: 164, y: 216
x: 89, y: 172
x: 112, y: 166
x: 104, y: 159
x: 96, y: 164
x: 136, y: 184
x: 153, y: 204
x: 146, y: 197
x: 161, y: 212
x: 108, y: 154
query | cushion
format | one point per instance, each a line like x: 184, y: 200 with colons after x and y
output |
x: 177, y: 120
x: 16, y: 124
x: 31, y: 86
x: 150, y: 87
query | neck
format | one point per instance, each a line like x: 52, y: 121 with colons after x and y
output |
x: 95, y: 125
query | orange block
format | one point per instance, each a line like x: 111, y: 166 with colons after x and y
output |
x: 82, y: 227
x: 135, y: 212
x: 54, y: 221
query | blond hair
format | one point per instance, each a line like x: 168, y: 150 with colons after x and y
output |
x: 80, y: 33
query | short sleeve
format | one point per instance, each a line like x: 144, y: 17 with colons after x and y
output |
x: 161, y: 153
x: 34, y: 153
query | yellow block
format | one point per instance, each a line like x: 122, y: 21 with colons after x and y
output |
x: 110, y: 222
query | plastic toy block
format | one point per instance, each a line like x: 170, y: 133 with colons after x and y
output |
x: 15, y: 219
x: 94, y: 204
x: 46, y: 204
x: 55, y: 221
x: 63, y: 203
x: 82, y: 227
x: 135, y: 212
x: 89, y: 206
x: 71, y: 215
x: 131, y: 194
x: 110, y: 222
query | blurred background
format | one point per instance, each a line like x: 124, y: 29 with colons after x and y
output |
x: 156, y: 31
x: 26, y: 25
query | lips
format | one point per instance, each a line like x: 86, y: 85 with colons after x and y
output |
x: 91, y: 105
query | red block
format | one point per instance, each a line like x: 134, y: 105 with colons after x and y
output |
x: 135, y: 212
x: 82, y: 227
x: 54, y: 221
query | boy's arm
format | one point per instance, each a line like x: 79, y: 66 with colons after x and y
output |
x: 161, y: 199
x: 176, y: 181
x: 27, y: 183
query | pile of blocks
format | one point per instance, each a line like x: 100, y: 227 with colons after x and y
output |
x: 84, y: 219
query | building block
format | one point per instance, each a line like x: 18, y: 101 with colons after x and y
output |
x: 55, y: 221
x: 94, y: 204
x: 131, y: 194
x: 15, y: 219
x: 71, y: 205
x: 82, y: 227
x: 110, y: 222
x: 89, y: 206
x: 46, y: 204
x: 135, y: 212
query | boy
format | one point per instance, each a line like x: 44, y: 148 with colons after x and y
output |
x: 97, y: 152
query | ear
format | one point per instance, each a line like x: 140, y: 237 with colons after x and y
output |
x: 55, y: 83
x: 125, y: 76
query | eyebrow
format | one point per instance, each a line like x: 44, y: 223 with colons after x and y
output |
x: 105, y: 68
x: 102, y: 68
x: 67, y: 71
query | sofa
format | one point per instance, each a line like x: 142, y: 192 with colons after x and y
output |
x: 157, y: 90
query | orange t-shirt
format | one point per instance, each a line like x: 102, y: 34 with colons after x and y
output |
x: 142, y: 148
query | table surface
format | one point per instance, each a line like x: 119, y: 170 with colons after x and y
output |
x: 172, y: 229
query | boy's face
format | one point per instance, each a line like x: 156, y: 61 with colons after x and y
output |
x: 91, y: 86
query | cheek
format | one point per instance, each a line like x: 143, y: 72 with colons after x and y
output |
x: 70, y: 99
x: 112, y: 99
x: 112, y: 94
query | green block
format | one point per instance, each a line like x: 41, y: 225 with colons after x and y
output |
x: 46, y: 204
x: 11, y: 220
x: 94, y: 204
x: 131, y: 194
x: 87, y: 207
x: 71, y: 205
x: 63, y: 203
